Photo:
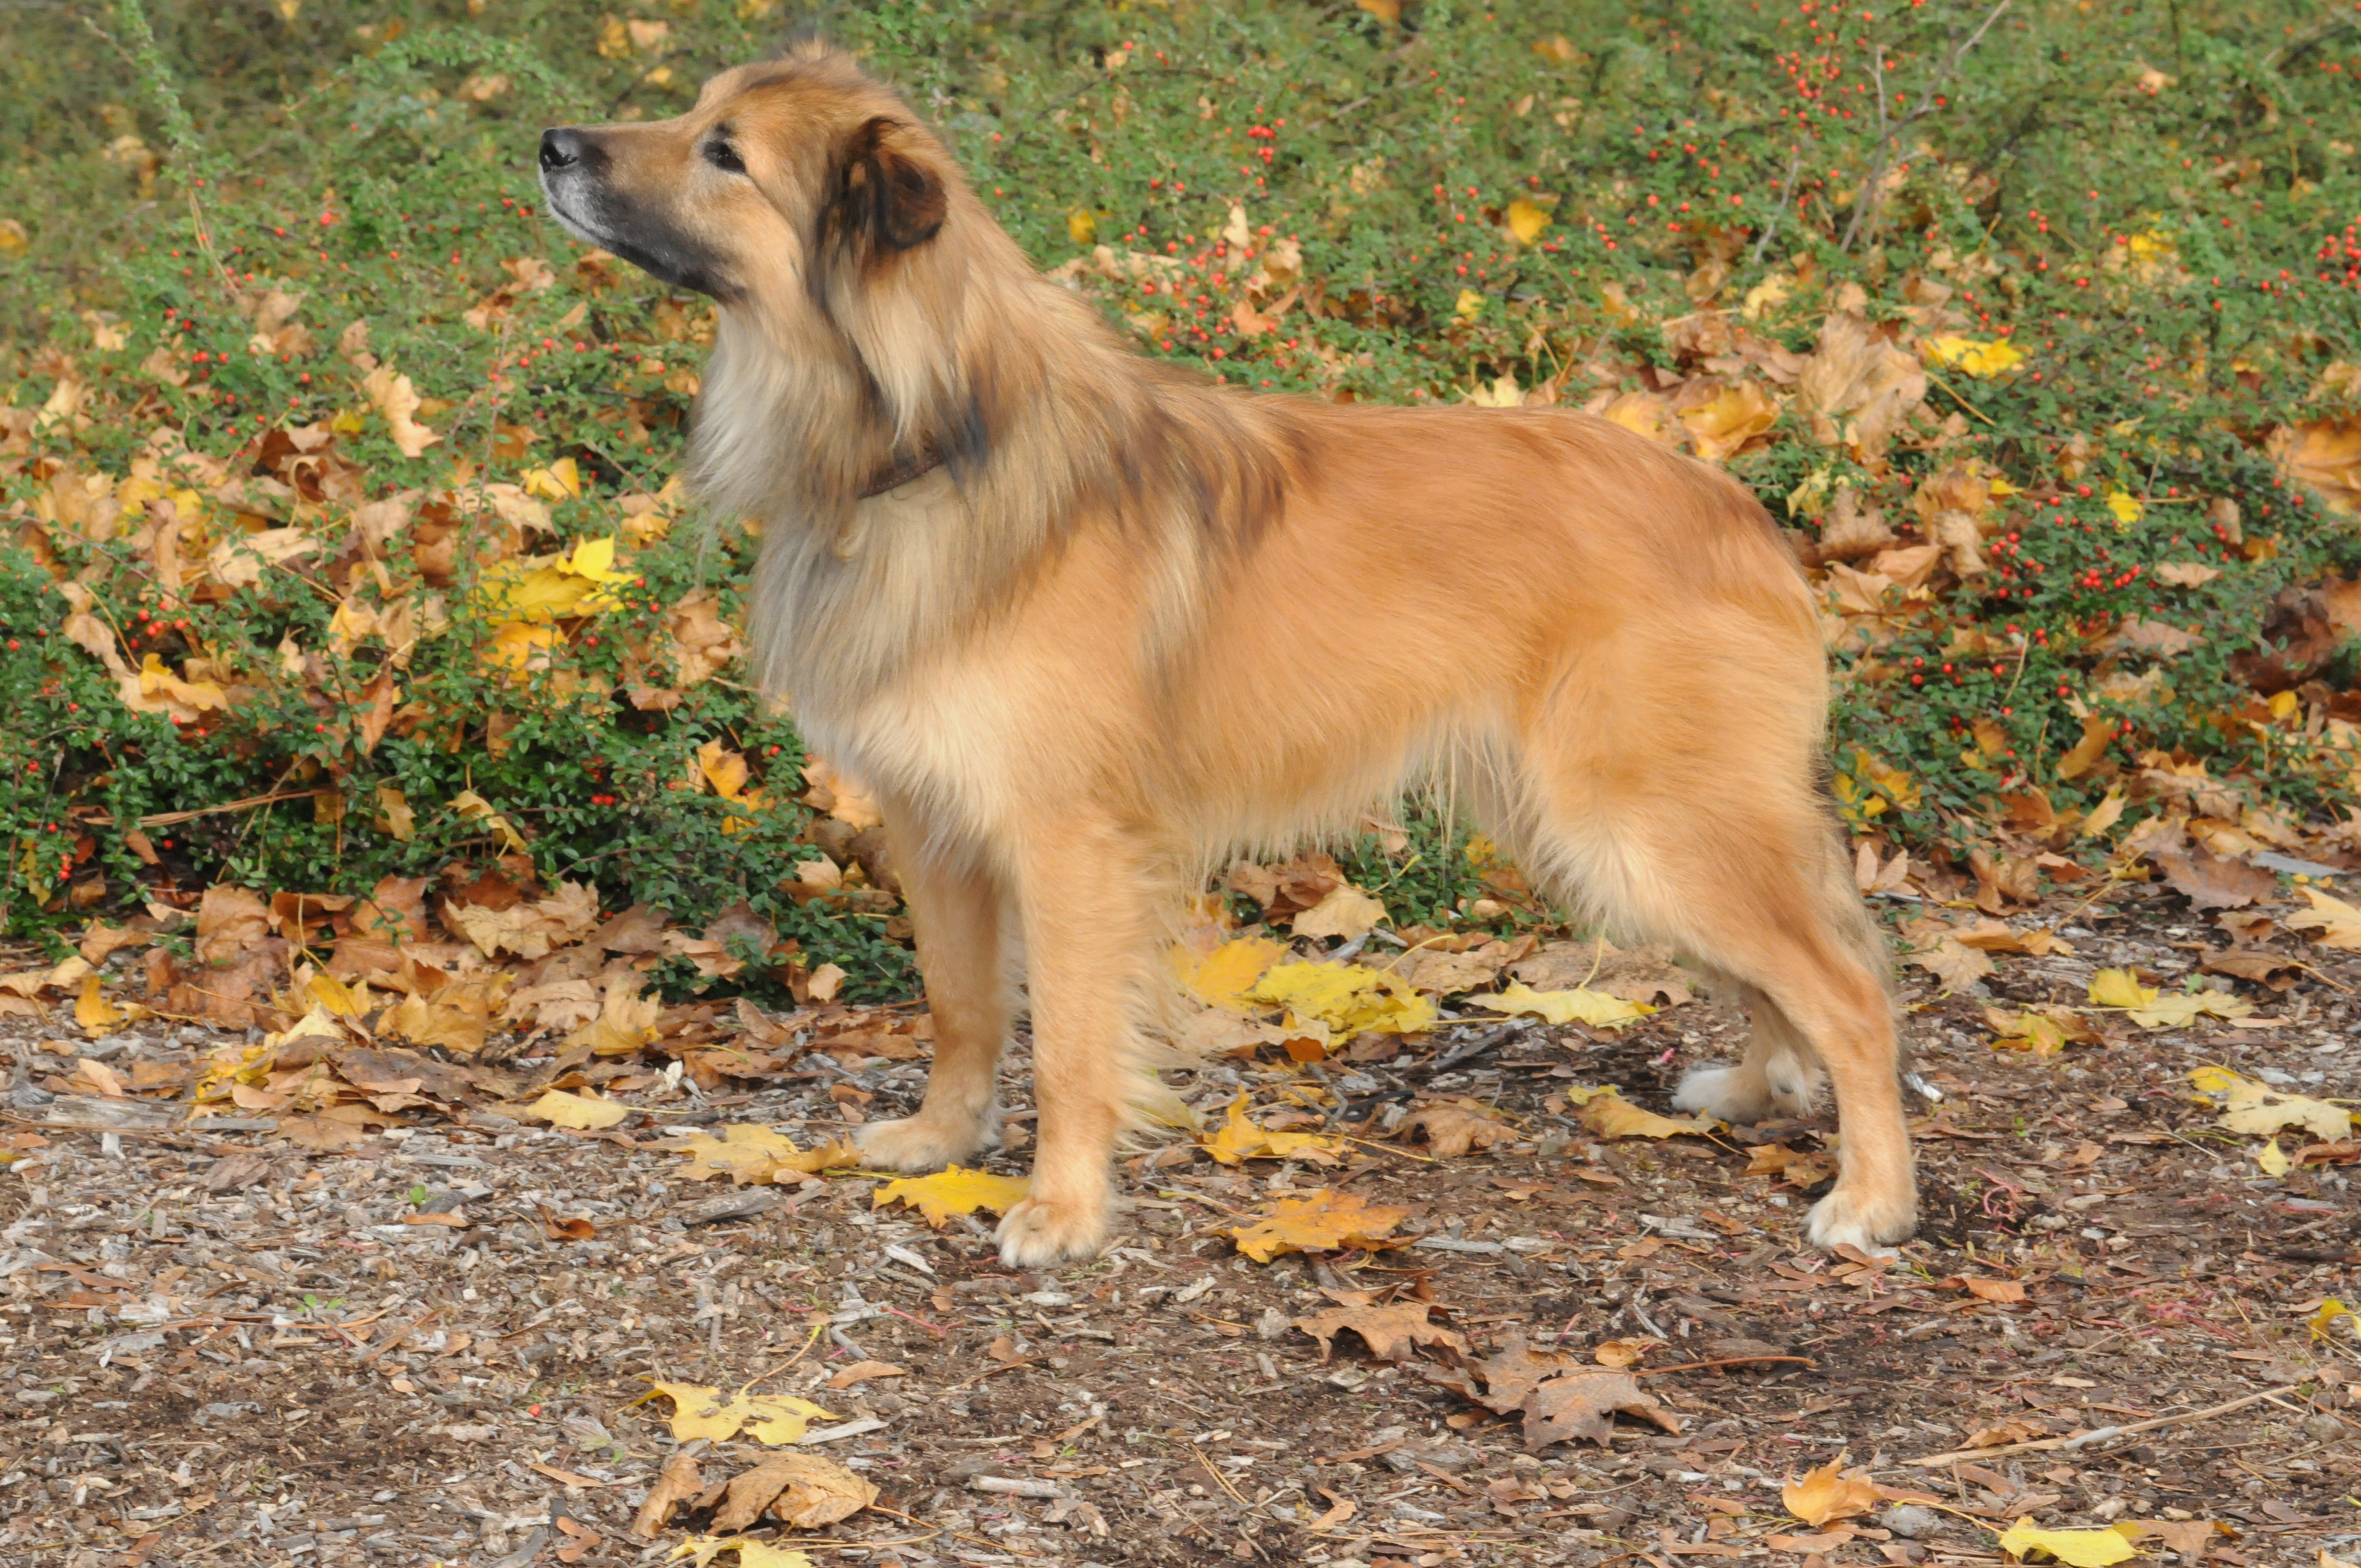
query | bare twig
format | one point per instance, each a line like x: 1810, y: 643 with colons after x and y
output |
x: 1794, y: 166
x: 2104, y: 1434
x: 1888, y: 128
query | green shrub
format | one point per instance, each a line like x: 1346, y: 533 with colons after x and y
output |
x: 2154, y: 205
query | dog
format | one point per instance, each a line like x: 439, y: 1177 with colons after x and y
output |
x: 1085, y: 623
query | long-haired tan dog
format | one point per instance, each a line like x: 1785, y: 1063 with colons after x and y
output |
x: 1085, y: 622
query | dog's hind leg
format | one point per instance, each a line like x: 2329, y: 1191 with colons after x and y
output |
x: 1085, y: 933
x: 1775, y: 1077
x: 956, y: 911
x: 1737, y: 867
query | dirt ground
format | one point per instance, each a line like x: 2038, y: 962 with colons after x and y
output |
x: 222, y: 1349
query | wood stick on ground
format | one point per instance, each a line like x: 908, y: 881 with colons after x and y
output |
x: 2104, y: 1434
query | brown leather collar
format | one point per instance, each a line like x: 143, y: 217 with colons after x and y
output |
x: 905, y: 467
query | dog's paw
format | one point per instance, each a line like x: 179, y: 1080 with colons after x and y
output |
x: 1851, y: 1215
x: 921, y: 1143
x: 1741, y: 1097
x: 1035, y: 1234
x: 1727, y: 1093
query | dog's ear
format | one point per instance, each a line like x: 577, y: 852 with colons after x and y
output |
x: 892, y: 198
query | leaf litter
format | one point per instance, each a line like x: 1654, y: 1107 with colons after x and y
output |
x: 1678, y: 1271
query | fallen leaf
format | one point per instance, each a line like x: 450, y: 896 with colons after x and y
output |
x: 847, y: 798
x: 2211, y: 882
x: 1346, y: 911
x: 1320, y: 1219
x: 2001, y: 1292
x: 2273, y: 1160
x: 746, y: 1153
x: 776, y: 1418
x: 1609, y: 1115
x: 1618, y: 1354
x: 2151, y: 1009
x: 679, y: 1484
x: 1348, y: 999
x: 1953, y: 962
x: 2043, y: 1031
x: 1980, y: 358
x: 2338, y: 923
x: 1526, y: 219
x: 701, y: 1549
x: 1801, y: 1169
x: 862, y: 1371
x: 2006, y: 1433
x: 1390, y: 1332
x: 1826, y: 1495
x: 803, y: 1489
x: 1720, y: 424
x: 92, y: 1010
x: 398, y: 400
x: 1453, y: 1130
x: 1224, y: 975
x: 2076, y: 1547
x: 1584, y: 1405
x: 951, y: 1192
x: 1240, y: 1139
x: 2256, y: 1108
x: 2326, y: 455
x: 582, y: 1113
x: 1580, y: 1006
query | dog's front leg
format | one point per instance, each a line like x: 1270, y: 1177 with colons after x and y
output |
x: 1083, y: 907
x: 956, y: 911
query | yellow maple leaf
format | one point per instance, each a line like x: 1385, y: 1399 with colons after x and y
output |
x: 1606, y: 1113
x: 468, y: 803
x: 2273, y: 1160
x: 1470, y: 305
x: 1347, y: 998
x: 1223, y: 976
x: 751, y: 1553
x: 2338, y: 923
x: 580, y: 1112
x: 1979, y: 357
x: 748, y: 1152
x: 562, y: 480
x: 93, y: 1011
x: 1730, y: 419
x: 2151, y: 1009
x: 1322, y: 1219
x: 1526, y: 219
x: 2043, y: 1036
x: 722, y: 768
x: 2258, y: 1108
x: 2124, y: 505
x: 394, y: 815
x: 1826, y: 1495
x: 1579, y: 1005
x: 2119, y: 988
x: 2331, y: 1312
x: 776, y: 1418
x: 2076, y: 1547
x: 156, y: 679
x: 1241, y: 1140
x: 951, y: 1192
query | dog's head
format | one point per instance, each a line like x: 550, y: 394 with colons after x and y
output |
x: 782, y: 175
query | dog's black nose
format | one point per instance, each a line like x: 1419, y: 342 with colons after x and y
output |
x: 562, y: 148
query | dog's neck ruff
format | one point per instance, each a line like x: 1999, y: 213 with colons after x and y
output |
x: 905, y: 467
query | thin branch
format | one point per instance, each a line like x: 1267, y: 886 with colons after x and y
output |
x: 2104, y: 1434
x: 1889, y: 128
x: 1794, y: 166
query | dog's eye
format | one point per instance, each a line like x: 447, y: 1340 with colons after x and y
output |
x: 722, y: 155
